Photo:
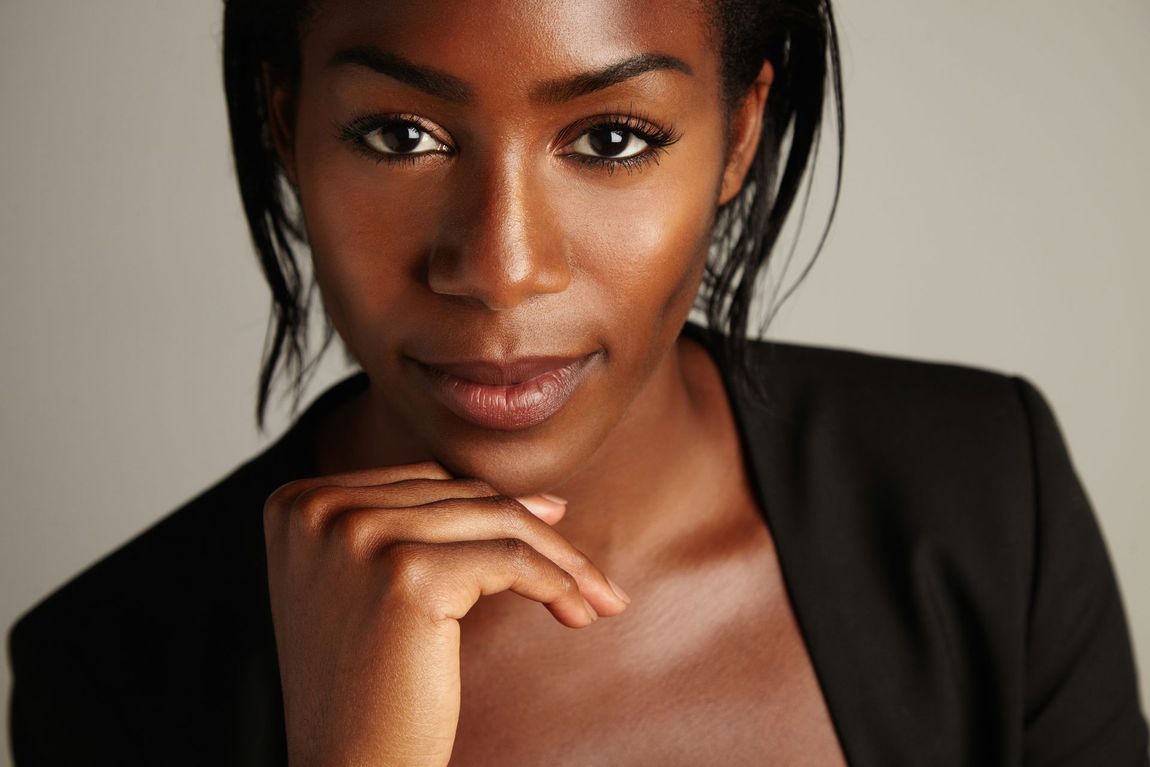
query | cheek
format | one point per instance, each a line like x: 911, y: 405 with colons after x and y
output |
x: 366, y: 225
x: 646, y: 244
x: 645, y: 248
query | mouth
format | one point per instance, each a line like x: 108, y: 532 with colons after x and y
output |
x: 513, y: 394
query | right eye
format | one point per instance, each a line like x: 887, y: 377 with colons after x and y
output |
x: 401, y: 137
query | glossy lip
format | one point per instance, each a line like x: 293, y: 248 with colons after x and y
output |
x: 512, y: 395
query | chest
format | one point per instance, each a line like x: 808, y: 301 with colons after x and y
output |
x: 707, y: 666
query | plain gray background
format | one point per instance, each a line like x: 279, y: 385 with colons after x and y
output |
x: 994, y: 213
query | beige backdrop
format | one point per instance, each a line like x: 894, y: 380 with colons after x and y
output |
x: 994, y: 214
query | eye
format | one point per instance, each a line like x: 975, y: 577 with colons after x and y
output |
x: 619, y: 142
x: 609, y: 140
x: 401, y: 137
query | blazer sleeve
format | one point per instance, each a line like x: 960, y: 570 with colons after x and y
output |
x: 51, y: 709
x: 1081, y: 687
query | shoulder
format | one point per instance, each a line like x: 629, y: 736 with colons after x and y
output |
x: 171, y: 632
x: 150, y: 634
x: 866, y: 390
x: 943, y: 498
x: 939, y: 438
x: 205, y: 555
x: 932, y: 510
x: 179, y: 557
x: 894, y: 463
x: 917, y: 443
x: 921, y: 422
x: 858, y: 381
x: 949, y: 458
x: 170, y: 635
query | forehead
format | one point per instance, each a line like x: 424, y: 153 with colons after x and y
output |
x: 513, y: 44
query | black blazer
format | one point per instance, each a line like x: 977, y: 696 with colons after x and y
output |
x: 946, y: 570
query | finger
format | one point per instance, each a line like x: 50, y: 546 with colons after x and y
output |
x: 444, y: 580
x: 310, y: 505
x: 313, y: 509
x: 368, y: 530
x: 419, y: 491
x: 285, y: 494
x: 413, y: 492
x: 380, y: 475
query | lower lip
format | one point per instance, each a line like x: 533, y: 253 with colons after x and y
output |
x: 507, y: 407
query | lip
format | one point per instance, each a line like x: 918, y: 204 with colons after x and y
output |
x: 513, y: 394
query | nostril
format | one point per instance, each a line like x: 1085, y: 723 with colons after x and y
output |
x: 498, y: 280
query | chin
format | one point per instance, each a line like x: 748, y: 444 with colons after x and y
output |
x: 512, y: 471
x: 518, y: 463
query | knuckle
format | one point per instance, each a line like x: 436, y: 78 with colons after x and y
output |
x: 567, y: 584
x: 417, y: 582
x: 357, y: 533
x: 276, y: 512
x: 315, y: 506
x: 409, y: 569
x: 515, y: 551
x: 579, y: 562
x: 280, y: 498
x: 512, y: 515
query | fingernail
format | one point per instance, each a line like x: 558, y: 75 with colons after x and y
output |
x: 554, y: 498
x: 545, y: 508
x: 618, y: 591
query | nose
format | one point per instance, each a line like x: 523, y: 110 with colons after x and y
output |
x: 499, y: 245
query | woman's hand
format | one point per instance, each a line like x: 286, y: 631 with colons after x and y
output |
x: 369, y: 573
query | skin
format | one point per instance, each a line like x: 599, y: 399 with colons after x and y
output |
x: 500, y: 244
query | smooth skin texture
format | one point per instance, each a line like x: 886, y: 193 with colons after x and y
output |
x: 492, y: 240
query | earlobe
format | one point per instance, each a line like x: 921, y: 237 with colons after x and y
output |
x: 746, y: 129
x: 281, y: 119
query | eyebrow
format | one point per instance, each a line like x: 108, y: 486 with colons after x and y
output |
x: 451, y: 88
x: 567, y: 88
x: 426, y: 79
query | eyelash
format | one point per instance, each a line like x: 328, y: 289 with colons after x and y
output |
x: 655, y: 137
x: 355, y: 131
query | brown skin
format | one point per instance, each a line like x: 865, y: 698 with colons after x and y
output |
x: 504, y: 245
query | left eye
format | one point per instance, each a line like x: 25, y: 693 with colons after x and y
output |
x: 613, y: 141
x: 401, y: 137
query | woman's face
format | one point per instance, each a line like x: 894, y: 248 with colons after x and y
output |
x: 489, y: 181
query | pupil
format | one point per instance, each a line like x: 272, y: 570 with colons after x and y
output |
x: 401, y: 137
x: 608, y: 141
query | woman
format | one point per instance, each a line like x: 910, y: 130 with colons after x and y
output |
x: 827, y: 557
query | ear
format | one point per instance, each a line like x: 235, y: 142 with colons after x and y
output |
x: 745, y: 130
x: 281, y: 111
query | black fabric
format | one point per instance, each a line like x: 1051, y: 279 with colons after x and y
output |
x: 945, y: 566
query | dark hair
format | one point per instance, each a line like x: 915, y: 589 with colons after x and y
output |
x: 798, y: 37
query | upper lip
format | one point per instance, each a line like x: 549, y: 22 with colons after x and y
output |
x: 503, y: 372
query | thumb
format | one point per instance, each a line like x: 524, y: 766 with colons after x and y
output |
x: 549, y: 508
